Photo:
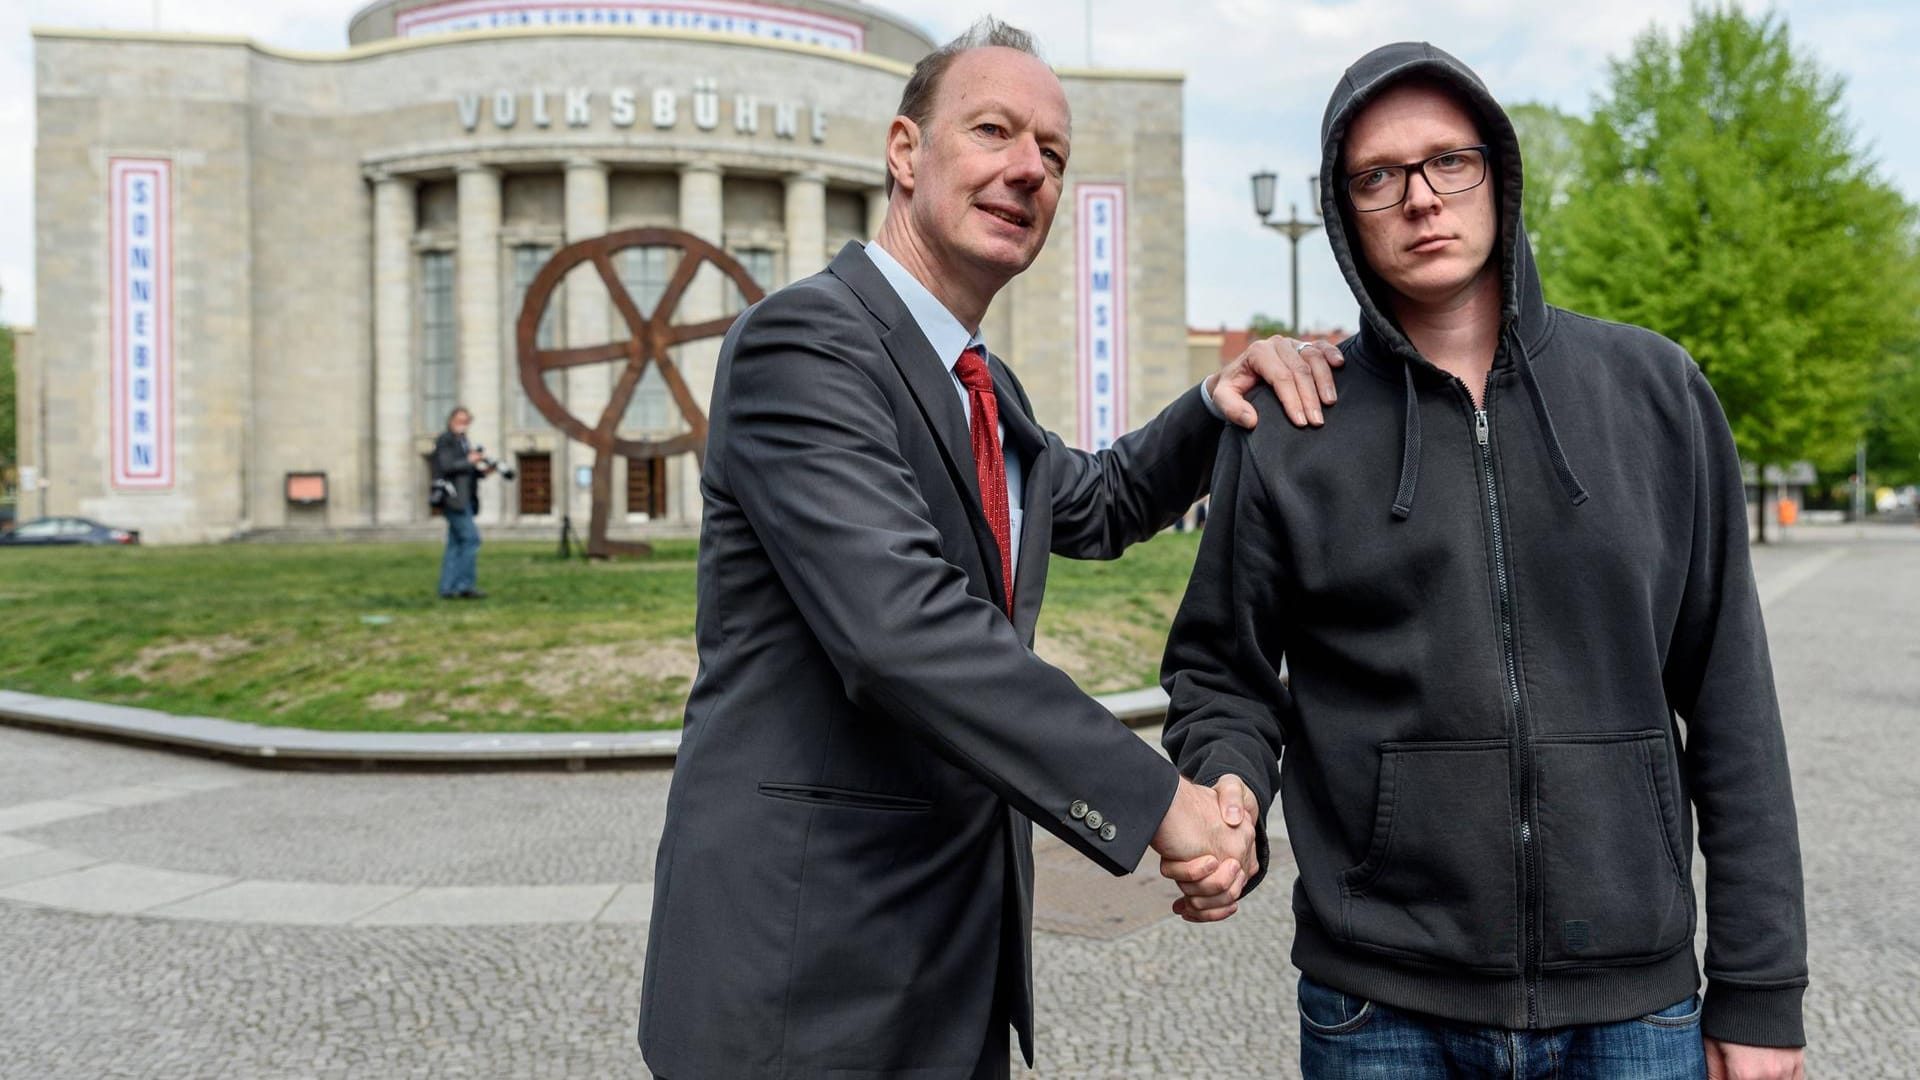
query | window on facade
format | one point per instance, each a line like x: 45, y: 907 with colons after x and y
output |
x: 647, y: 487
x: 759, y: 264
x: 439, y: 377
x: 846, y: 220
x: 536, y: 483
x: 527, y: 261
x: 645, y: 271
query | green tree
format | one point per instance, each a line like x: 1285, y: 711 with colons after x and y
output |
x: 1264, y: 325
x: 1893, y: 425
x: 1550, y: 146
x: 9, y: 428
x: 1724, y: 203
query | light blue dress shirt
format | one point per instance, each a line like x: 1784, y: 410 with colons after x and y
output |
x: 949, y: 339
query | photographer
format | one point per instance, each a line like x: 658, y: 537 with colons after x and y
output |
x: 457, y: 469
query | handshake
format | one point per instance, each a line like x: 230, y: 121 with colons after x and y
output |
x: 1208, y: 844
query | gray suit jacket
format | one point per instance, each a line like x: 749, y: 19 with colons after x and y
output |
x: 450, y: 463
x: 844, y: 884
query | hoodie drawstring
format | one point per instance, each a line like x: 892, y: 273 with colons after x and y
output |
x: 1410, y: 439
x: 1569, y: 482
x: 1409, y: 451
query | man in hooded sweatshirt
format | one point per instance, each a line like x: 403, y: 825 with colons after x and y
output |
x: 1522, y: 645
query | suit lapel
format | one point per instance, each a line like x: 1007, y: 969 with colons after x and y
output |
x: 1025, y: 438
x: 933, y: 389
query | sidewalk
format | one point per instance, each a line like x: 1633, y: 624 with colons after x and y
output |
x: 181, y: 915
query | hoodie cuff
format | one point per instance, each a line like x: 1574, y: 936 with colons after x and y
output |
x: 1223, y: 765
x: 1750, y: 1017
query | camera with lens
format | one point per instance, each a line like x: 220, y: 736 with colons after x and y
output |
x: 491, y: 465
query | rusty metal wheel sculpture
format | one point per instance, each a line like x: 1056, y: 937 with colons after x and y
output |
x: 649, y: 337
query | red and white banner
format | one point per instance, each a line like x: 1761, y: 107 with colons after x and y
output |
x: 742, y: 17
x: 140, y: 276
x: 1100, y: 281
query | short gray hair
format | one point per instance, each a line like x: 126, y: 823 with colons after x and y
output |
x: 916, y: 101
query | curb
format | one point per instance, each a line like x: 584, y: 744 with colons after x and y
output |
x: 268, y: 746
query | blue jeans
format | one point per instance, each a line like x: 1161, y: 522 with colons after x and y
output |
x: 1343, y: 1037
x: 460, y: 566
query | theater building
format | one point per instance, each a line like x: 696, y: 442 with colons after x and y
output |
x: 264, y: 277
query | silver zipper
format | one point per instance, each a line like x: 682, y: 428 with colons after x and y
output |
x: 1509, y: 648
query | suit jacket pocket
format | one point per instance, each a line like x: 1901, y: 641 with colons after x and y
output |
x: 845, y: 798
x: 1613, y: 884
x: 1438, y: 882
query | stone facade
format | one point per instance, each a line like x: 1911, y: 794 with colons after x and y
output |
x: 884, y: 34
x: 319, y: 200
x: 1203, y: 353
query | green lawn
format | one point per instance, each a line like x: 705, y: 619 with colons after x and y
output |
x: 352, y: 636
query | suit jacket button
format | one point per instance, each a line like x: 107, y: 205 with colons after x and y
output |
x: 1108, y: 832
x: 1095, y: 820
x: 1078, y: 809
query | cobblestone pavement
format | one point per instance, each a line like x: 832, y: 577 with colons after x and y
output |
x: 1125, y: 993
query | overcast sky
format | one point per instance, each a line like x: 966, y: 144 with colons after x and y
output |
x: 1258, y: 76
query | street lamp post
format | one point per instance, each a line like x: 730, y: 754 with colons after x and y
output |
x: 1293, y: 228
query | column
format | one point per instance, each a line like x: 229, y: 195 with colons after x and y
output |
x: 588, y: 323
x: 876, y: 210
x: 702, y: 214
x: 398, y: 481
x: 806, y: 225
x: 476, y: 272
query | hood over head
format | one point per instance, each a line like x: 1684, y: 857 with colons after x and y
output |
x: 1523, y: 309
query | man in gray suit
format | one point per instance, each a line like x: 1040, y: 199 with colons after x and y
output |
x: 844, y: 884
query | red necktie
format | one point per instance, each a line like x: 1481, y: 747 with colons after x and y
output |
x: 972, y: 373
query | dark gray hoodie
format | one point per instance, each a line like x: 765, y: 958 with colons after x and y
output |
x: 1525, y: 652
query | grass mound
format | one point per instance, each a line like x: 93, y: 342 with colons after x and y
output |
x: 352, y: 636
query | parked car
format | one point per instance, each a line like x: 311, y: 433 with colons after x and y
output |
x: 48, y: 532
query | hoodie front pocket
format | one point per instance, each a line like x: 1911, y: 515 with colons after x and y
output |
x: 1438, y: 881
x: 1612, y: 883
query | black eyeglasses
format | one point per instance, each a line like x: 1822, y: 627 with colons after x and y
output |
x: 1450, y: 172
